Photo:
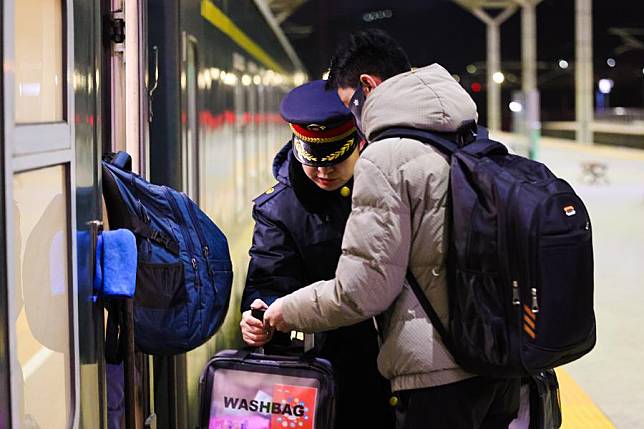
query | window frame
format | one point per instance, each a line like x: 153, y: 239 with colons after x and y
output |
x: 5, y: 386
x: 190, y: 130
x: 35, y: 146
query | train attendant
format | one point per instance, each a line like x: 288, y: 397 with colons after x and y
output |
x: 299, y: 224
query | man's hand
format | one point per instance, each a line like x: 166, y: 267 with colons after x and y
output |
x: 254, y: 332
x: 275, y: 318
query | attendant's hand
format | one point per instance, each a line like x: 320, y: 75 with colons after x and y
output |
x: 274, y: 317
x: 254, y: 332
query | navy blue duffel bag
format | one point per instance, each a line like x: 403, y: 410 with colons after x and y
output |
x: 184, y: 272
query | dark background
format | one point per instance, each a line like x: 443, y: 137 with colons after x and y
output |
x: 441, y: 31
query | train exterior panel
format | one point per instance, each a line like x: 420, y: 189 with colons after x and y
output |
x: 211, y: 74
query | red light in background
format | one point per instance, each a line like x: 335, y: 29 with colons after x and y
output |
x: 476, y: 87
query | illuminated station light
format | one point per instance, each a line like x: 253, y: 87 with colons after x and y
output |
x: 516, y: 107
x: 606, y: 86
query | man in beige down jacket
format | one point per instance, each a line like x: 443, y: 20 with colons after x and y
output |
x: 398, y: 221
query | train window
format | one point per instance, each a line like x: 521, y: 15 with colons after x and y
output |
x: 191, y: 124
x: 42, y: 364
x: 39, y: 77
x: 240, y: 151
x: 250, y: 137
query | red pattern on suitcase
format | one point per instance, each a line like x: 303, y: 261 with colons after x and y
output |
x: 301, y: 400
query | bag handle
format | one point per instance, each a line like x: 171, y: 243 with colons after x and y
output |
x: 122, y: 160
x: 309, y: 341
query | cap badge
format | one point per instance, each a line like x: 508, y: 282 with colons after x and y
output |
x: 315, y: 127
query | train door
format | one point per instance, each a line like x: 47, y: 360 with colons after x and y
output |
x: 129, y: 116
x: 39, y: 227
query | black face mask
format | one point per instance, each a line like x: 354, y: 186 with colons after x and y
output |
x: 355, y: 106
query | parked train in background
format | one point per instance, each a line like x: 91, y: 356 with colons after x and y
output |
x: 191, y: 88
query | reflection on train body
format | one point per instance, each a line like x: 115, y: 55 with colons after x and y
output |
x: 42, y: 327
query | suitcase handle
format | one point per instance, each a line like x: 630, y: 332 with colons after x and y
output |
x: 258, y: 313
x: 309, y: 339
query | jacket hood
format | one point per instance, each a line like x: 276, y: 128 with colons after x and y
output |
x: 427, y: 99
x: 281, y: 163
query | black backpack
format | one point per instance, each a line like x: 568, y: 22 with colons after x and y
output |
x: 184, y: 272
x: 519, y: 264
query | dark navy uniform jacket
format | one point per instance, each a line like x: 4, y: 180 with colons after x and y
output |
x: 298, y: 234
x: 297, y: 241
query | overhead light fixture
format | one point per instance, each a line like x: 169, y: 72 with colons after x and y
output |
x: 611, y: 62
x: 498, y: 77
x: 377, y: 15
x: 563, y: 64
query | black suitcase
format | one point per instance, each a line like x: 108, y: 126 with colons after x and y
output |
x: 244, y: 390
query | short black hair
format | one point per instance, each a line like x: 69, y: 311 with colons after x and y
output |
x: 372, y: 52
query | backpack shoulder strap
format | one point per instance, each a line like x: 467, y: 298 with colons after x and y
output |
x: 439, y: 142
x: 481, y: 146
x: 429, y: 310
x: 485, y: 147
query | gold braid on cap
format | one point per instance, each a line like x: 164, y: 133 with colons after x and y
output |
x: 300, y: 149
x: 322, y: 139
x: 337, y: 154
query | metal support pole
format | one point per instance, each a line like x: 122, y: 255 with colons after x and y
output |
x: 529, y: 71
x: 493, y: 66
x: 529, y: 43
x: 584, y: 70
x: 493, y: 62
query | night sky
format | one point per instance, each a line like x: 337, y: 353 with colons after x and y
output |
x: 441, y: 31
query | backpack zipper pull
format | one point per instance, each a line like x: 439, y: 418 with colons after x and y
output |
x: 535, y: 304
x: 515, y: 293
x: 195, y: 267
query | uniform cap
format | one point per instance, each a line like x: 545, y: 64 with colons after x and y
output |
x: 323, y: 128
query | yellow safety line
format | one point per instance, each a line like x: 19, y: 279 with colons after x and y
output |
x: 216, y: 17
x: 579, y: 411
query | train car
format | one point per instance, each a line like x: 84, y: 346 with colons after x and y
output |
x: 191, y: 89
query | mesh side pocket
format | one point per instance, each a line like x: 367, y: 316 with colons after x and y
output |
x: 160, y: 286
